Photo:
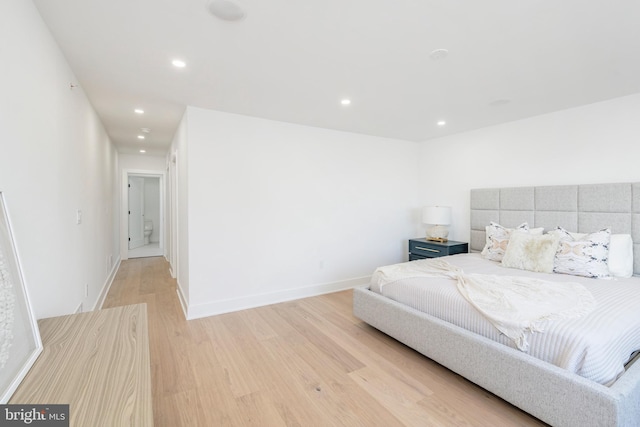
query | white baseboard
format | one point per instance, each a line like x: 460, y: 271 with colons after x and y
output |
x: 236, y: 304
x: 107, y: 285
x: 182, y: 299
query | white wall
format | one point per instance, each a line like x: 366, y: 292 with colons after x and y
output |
x: 597, y: 143
x: 55, y: 158
x: 142, y: 162
x: 278, y: 211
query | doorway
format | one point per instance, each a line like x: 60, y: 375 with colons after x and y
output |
x: 144, y: 215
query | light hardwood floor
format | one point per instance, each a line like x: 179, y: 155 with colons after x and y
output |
x: 308, y: 362
x: 97, y: 363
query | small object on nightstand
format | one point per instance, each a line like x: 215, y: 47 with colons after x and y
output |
x: 421, y: 248
x: 439, y: 217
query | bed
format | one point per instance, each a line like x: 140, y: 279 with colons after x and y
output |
x: 552, y: 394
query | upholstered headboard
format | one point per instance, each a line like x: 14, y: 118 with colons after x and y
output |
x: 579, y: 208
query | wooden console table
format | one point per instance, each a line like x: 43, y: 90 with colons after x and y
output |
x: 98, y: 363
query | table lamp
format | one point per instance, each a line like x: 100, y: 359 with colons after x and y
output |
x: 438, y: 217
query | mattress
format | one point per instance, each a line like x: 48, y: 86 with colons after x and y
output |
x: 595, y: 346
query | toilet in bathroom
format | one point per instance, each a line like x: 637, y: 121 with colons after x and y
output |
x: 148, y: 229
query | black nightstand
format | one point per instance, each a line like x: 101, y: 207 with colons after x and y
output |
x: 422, y: 248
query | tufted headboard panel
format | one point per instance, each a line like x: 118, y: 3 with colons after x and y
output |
x: 578, y: 208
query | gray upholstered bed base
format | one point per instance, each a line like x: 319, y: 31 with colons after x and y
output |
x: 552, y: 394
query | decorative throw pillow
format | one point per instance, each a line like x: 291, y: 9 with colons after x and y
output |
x: 497, y: 240
x: 620, y: 254
x: 527, y: 251
x: 587, y: 256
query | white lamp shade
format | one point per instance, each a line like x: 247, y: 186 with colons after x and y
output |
x: 437, y: 215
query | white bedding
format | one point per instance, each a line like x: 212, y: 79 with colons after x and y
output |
x: 595, y: 346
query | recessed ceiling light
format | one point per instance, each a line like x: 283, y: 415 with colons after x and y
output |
x: 143, y: 151
x: 226, y: 10
x: 138, y: 111
x: 179, y: 63
x: 140, y: 136
x: 345, y: 102
x: 145, y: 130
x: 441, y: 123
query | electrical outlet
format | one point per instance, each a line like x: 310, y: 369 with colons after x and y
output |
x: 78, y: 217
x: 86, y: 290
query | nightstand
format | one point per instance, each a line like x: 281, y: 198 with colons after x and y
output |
x: 422, y: 248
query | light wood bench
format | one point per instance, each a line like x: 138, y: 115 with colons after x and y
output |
x: 98, y: 363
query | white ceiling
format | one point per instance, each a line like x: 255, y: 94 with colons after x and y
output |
x: 295, y: 60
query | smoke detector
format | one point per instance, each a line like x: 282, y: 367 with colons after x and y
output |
x: 439, y: 54
x: 226, y: 10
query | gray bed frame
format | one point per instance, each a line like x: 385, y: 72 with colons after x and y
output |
x: 554, y: 395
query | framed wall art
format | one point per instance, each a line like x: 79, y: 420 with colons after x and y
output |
x: 20, y: 342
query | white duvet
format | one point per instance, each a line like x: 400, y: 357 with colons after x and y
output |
x: 595, y: 345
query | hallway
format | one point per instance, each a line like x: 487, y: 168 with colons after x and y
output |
x: 147, y: 280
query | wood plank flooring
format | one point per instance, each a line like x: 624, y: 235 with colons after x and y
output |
x: 98, y: 364
x: 308, y: 362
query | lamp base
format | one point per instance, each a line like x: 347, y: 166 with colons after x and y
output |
x: 438, y: 233
x: 437, y: 239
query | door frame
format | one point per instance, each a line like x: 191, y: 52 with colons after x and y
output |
x: 171, y: 253
x: 124, y: 211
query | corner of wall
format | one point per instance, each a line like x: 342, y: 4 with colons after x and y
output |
x: 183, y: 301
x: 212, y: 308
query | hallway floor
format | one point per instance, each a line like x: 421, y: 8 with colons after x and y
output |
x: 151, y: 250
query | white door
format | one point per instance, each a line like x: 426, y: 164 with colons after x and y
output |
x: 136, y: 212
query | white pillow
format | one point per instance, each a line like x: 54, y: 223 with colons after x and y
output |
x: 586, y: 256
x: 620, y: 254
x: 497, y: 238
x: 532, y: 252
